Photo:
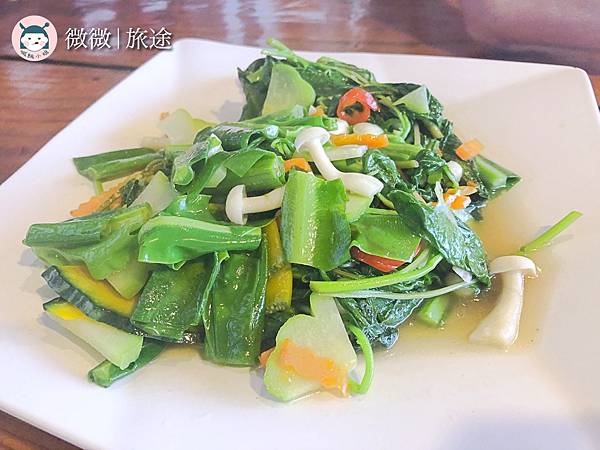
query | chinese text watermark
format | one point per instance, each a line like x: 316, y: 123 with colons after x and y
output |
x: 134, y: 38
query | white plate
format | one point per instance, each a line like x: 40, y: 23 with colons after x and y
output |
x: 539, y: 120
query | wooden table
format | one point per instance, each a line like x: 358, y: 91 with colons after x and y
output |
x: 39, y: 99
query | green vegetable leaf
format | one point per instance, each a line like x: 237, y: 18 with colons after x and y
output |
x: 233, y: 314
x: 236, y: 136
x: 172, y: 240
x: 170, y: 302
x: 192, y: 207
x: 183, y: 172
x: 457, y: 243
x: 255, y: 83
x: 314, y: 228
x: 376, y: 164
x: 378, y: 318
x: 111, y: 253
x: 382, y: 233
x: 259, y: 170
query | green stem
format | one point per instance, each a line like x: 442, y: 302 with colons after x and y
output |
x: 327, y: 287
x: 115, y: 164
x: 433, y: 129
x: 383, y: 199
x: 410, y: 164
x: 546, y: 238
x: 401, y: 151
x: 106, y: 373
x: 434, y: 310
x: 403, y: 296
x: 98, y: 188
x: 365, y: 346
x: 346, y: 274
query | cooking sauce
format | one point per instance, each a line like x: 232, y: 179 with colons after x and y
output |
x: 502, y: 234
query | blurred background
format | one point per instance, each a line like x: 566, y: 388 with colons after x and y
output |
x: 62, y: 86
x: 530, y: 30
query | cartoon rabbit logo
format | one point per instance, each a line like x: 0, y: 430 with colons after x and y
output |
x: 34, y: 38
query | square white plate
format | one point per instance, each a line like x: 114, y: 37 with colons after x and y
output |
x: 539, y: 120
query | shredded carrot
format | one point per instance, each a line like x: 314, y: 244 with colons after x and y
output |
x: 467, y: 190
x: 307, y: 364
x: 462, y: 190
x: 461, y: 202
x: 318, y: 112
x: 264, y: 357
x: 370, y: 140
x: 455, y: 200
x: 469, y: 149
x: 96, y: 201
x: 298, y: 163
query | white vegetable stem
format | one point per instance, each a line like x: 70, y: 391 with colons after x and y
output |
x: 367, y: 128
x: 312, y: 140
x: 237, y: 205
x: 501, y: 326
x: 455, y: 169
x: 342, y: 127
x: 158, y: 194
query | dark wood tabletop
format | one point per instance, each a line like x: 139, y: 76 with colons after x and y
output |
x: 56, y: 90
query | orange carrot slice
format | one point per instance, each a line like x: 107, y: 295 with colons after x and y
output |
x: 469, y: 150
x: 307, y: 364
x: 298, y: 163
x: 370, y: 140
x: 95, y: 202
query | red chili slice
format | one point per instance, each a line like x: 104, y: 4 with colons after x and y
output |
x: 355, y: 106
x: 377, y: 262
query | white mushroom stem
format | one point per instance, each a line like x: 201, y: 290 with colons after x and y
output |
x: 237, y: 205
x: 501, y: 326
x: 338, y: 153
x: 312, y: 139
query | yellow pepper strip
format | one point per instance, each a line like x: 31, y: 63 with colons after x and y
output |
x: 279, y: 278
x: 66, y: 311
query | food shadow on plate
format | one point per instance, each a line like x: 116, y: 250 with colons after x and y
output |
x: 68, y: 344
x: 229, y: 111
x: 217, y: 99
x: 34, y: 282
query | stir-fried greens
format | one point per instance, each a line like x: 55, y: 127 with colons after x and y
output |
x: 331, y: 212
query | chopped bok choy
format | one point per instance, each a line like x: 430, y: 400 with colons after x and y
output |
x: 333, y: 212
